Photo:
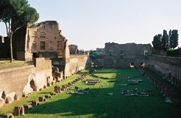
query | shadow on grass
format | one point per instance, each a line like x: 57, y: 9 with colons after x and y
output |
x: 44, y: 92
x: 160, y: 78
x: 98, y: 104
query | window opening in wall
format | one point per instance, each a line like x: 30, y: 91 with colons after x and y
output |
x: 34, y: 45
x: 146, y: 52
x: 35, y: 55
x: 121, y: 52
x: 34, y: 33
x: 42, y: 45
x: 55, y: 37
x: 110, y: 52
x: 142, y: 64
x: 58, y: 45
x: 42, y: 35
x: 131, y: 65
x: 50, y: 46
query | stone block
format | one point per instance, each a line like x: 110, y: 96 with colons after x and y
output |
x: 28, y: 107
x: 35, y: 103
x: 19, y: 110
x: 8, y: 115
x: 52, y: 93
x: 57, y: 89
x: 63, y: 89
x: 48, y: 96
x: 41, y: 99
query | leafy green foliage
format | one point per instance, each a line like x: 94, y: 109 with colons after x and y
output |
x: 165, y: 41
x: 95, y: 55
x: 174, y: 52
x: 157, y: 42
x: 174, y: 39
x: 16, y: 14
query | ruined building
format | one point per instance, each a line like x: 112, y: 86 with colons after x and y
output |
x: 73, y: 49
x: 41, y: 40
x: 124, y: 55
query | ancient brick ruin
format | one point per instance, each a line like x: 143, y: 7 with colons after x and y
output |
x: 73, y: 49
x: 124, y: 55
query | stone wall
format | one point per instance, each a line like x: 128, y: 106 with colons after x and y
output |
x: 73, y: 49
x: 44, y: 37
x: 14, y: 80
x: 128, y: 49
x: 168, y: 67
x: 165, y: 65
x: 122, y: 55
x: 122, y: 61
x: 75, y: 64
x: 22, y: 81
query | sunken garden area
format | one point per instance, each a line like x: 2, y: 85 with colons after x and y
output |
x: 104, y: 93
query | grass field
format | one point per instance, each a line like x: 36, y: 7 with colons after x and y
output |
x: 5, y: 63
x: 97, y: 103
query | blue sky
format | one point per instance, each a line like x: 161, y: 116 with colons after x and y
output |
x: 92, y: 23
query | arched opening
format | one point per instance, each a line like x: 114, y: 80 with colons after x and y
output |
x: 131, y: 65
x: 34, y: 34
x: 33, y: 86
x: 50, y: 45
x: 42, y: 35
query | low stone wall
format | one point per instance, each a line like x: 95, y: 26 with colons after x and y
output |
x: 168, y: 67
x: 166, y: 64
x: 22, y: 81
x: 14, y: 79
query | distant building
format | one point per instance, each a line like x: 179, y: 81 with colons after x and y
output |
x: 46, y: 37
x: 128, y: 49
x: 124, y: 55
x: 73, y: 49
x: 100, y: 50
x: 41, y: 40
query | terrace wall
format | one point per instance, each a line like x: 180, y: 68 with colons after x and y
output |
x: 75, y: 64
x: 168, y: 67
x: 19, y: 81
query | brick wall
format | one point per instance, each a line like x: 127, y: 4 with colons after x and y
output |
x: 19, y: 80
x: 76, y: 63
x: 165, y: 65
x: 14, y: 80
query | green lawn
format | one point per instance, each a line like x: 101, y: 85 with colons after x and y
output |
x: 5, y: 63
x: 98, y: 104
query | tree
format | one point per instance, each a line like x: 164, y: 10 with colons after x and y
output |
x: 95, y: 55
x: 164, y: 41
x: 173, y: 38
x: 16, y: 14
x: 157, y: 42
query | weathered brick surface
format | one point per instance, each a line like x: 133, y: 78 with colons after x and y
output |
x: 18, y: 77
x: 24, y: 79
x: 76, y: 63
